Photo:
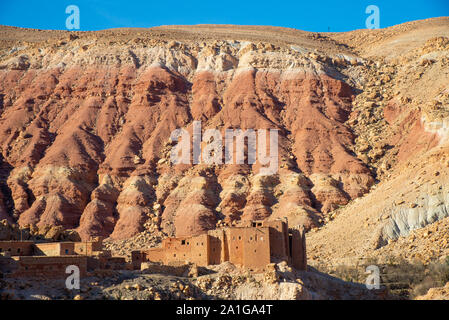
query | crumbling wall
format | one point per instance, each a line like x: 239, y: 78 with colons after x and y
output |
x: 48, y: 267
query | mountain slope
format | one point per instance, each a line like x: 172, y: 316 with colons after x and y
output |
x: 86, y: 118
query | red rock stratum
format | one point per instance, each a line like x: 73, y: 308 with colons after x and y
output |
x: 86, y: 118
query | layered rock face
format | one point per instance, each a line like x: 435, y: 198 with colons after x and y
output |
x: 85, y: 128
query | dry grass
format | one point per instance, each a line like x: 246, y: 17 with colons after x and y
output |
x: 402, y: 279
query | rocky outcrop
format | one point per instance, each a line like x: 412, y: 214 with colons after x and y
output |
x: 13, y: 232
x: 441, y: 293
x: 428, y: 209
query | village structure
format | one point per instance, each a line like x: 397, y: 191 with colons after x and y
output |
x: 250, y: 244
x: 50, y: 259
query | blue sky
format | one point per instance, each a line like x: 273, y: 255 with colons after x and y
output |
x: 311, y: 15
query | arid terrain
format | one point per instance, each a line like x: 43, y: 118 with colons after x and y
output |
x: 224, y: 282
x: 86, y: 119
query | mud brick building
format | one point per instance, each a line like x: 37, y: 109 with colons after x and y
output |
x: 45, y: 266
x: 252, y: 244
x: 50, y: 260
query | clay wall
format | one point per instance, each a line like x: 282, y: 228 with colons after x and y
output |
x: 55, y: 249
x: 192, y: 249
x: 48, y: 267
x: 252, y: 244
x: 279, y: 243
x: 218, y: 247
x: 17, y: 248
x: 89, y: 247
x: 235, y: 243
x: 47, y: 249
x: 256, y: 247
x: 299, y: 255
x: 155, y: 255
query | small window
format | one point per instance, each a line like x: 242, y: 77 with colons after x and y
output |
x: 250, y: 238
x: 66, y: 251
x: 254, y: 224
x: 259, y: 224
x: 183, y: 242
x: 200, y: 254
x: 174, y: 255
x: 236, y: 247
x: 188, y: 243
x: 18, y: 250
x: 240, y: 238
x: 255, y: 250
x: 9, y: 249
x: 1, y: 249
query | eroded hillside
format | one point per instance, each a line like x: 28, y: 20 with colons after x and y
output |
x: 86, y: 118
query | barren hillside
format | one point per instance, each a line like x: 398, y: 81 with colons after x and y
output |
x: 86, y: 118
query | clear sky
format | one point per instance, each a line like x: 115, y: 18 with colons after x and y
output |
x: 311, y: 15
